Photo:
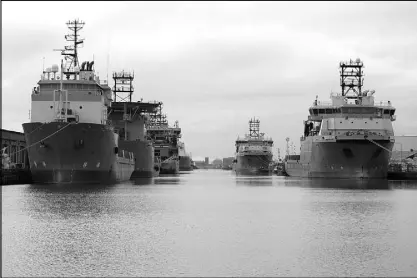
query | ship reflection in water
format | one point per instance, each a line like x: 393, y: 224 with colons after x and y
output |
x: 266, y: 180
x: 211, y: 223
x: 340, y: 183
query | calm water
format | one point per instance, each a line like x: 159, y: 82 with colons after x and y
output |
x: 211, y: 223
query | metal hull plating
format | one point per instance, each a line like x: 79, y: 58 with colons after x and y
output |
x: 170, y: 167
x: 78, y: 153
x: 253, y: 164
x: 144, y: 157
x: 185, y: 163
x: 341, y: 159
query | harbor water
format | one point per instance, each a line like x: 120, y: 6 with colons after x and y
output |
x: 211, y: 223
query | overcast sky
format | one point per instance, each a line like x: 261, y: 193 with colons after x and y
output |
x: 215, y: 65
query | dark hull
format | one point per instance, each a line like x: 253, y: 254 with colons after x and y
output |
x: 392, y: 175
x: 253, y: 164
x: 185, y: 163
x: 170, y: 167
x: 144, y: 157
x: 78, y: 153
x: 342, y: 159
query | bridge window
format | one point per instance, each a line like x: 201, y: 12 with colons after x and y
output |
x: 386, y: 112
x: 329, y: 111
x: 321, y: 111
x: 315, y: 112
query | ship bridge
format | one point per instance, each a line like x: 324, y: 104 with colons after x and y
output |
x: 322, y: 111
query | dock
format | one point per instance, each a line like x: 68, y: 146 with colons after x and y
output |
x: 16, y: 170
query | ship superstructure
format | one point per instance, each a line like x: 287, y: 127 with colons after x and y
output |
x: 165, y: 141
x: 69, y: 138
x: 129, y: 119
x: 350, y: 137
x: 253, y: 152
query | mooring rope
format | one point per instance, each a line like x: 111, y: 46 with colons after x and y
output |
x: 40, y: 140
x: 372, y: 141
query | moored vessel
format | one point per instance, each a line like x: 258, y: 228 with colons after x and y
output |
x: 165, y: 141
x: 350, y: 137
x: 69, y: 139
x: 253, y: 152
x: 129, y: 119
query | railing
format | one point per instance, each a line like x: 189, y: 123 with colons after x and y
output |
x: 383, y: 103
x: 322, y: 103
x: 248, y: 138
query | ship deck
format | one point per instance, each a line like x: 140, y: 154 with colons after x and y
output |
x: 144, y: 107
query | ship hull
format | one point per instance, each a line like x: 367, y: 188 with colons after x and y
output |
x: 144, y: 157
x: 185, y: 163
x: 75, y: 153
x: 253, y: 164
x: 170, y: 167
x: 342, y: 159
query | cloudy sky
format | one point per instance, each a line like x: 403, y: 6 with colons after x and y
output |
x: 215, y: 65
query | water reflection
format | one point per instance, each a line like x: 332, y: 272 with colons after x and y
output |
x: 67, y: 201
x: 69, y: 188
x: 168, y: 180
x: 362, y: 184
x: 254, y: 181
x: 405, y: 184
x: 363, y: 233
x: 210, y: 223
x: 143, y: 181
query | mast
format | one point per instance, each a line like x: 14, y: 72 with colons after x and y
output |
x: 157, y: 118
x: 254, y: 128
x: 351, y: 78
x: 123, y: 90
x: 70, y: 52
x: 123, y: 87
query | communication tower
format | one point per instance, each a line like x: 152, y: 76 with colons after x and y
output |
x: 254, y: 127
x: 123, y: 88
x: 351, y: 78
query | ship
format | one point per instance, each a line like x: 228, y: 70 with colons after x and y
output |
x: 129, y: 119
x: 68, y: 138
x: 349, y: 137
x: 165, y: 140
x: 253, y: 152
x: 185, y: 160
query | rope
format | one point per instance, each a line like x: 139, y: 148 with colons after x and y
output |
x: 40, y: 140
x: 372, y: 141
x: 37, y: 128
